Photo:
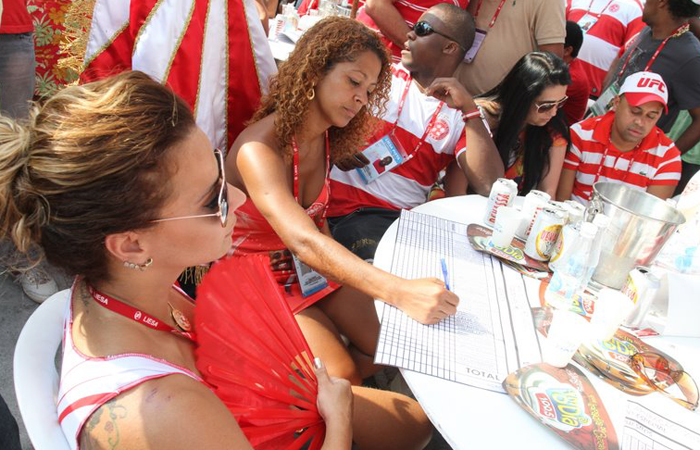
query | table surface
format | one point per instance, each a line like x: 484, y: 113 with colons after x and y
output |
x: 469, y: 417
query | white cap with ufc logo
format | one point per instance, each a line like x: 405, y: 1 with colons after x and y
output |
x: 644, y: 87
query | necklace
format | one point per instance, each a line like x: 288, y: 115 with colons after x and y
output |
x: 142, y: 317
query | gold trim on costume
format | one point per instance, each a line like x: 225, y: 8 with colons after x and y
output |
x: 158, y: 4
x: 179, y: 42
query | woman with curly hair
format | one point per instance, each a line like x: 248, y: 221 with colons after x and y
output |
x: 317, y: 112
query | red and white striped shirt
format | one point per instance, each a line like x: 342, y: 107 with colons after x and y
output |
x: 89, y: 382
x: 411, y: 12
x: 655, y: 161
x: 407, y: 185
x: 619, y: 21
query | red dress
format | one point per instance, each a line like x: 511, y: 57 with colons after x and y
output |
x: 253, y: 235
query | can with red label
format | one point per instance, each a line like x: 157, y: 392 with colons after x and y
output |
x: 534, y: 202
x: 641, y: 288
x: 503, y: 193
x: 544, y: 234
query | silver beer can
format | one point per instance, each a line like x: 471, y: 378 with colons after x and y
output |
x: 576, y: 211
x: 544, y: 234
x: 534, y: 202
x: 503, y: 193
x: 641, y: 287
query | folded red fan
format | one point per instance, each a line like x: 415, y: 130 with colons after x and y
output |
x: 253, y: 354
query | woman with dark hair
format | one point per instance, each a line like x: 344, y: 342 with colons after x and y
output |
x: 528, y: 127
x: 318, y: 111
x: 529, y: 130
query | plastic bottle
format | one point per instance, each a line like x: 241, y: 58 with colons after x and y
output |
x: 572, y: 277
x: 601, y: 221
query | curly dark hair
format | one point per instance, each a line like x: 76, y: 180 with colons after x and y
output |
x: 683, y: 9
x: 330, y: 41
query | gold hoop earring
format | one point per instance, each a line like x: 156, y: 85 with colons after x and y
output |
x: 310, y: 94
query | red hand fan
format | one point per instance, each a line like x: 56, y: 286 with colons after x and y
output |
x: 252, y: 352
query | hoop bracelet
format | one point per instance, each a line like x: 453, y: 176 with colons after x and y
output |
x: 471, y: 114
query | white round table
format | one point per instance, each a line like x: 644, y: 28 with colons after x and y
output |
x: 470, y: 418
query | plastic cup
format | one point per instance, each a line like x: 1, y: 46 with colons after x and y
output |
x: 566, y: 333
x: 508, y: 220
x: 610, y: 309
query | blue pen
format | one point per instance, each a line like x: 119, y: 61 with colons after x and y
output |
x: 444, y: 273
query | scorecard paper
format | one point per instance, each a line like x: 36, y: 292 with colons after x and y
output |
x: 491, y: 335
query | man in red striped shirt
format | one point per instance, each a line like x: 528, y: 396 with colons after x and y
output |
x: 624, y: 145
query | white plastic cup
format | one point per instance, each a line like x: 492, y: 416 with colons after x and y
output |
x: 610, y: 309
x: 508, y: 220
x: 567, y: 332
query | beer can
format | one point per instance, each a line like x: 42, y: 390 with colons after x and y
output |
x: 544, y: 234
x: 576, y: 211
x: 561, y: 207
x: 641, y: 287
x: 503, y: 193
x: 534, y: 202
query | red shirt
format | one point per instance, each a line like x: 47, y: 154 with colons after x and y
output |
x: 655, y: 161
x: 411, y: 12
x: 619, y: 21
x: 15, y: 18
x: 577, y: 91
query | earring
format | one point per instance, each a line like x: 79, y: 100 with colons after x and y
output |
x: 310, y: 94
x: 141, y: 267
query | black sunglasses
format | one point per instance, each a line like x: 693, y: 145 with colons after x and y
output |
x: 423, y: 28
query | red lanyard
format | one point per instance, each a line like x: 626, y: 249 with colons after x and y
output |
x: 295, y: 171
x: 134, y: 314
x: 430, y: 126
x: 605, y: 157
x: 495, y: 16
x: 590, y: 5
x: 680, y: 30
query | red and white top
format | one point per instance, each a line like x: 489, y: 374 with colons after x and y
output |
x: 407, y: 185
x: 88, y: 382
x: 656, y: 160
x: 618, y: 22
x: 411, y: 12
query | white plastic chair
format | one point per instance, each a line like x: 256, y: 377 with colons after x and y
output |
x: 36, y: 377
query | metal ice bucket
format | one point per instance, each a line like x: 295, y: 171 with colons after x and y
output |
x: 640, y: 224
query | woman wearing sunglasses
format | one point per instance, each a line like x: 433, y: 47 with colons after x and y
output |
x: 529, y: 130
x: 118, y: 185
x: 528, y: 127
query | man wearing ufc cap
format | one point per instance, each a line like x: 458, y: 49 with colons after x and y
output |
x: 624, y: 145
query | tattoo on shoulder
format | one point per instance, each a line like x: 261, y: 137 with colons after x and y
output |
x: 102, y: 430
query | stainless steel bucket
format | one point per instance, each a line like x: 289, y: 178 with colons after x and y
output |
x: 640, y: 224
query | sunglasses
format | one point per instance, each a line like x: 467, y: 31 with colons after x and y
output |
x: 659, y: 374
x: 222, y: 200
x: 548, y: 106
x: 425, y: 29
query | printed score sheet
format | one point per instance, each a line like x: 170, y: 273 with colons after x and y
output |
x: 493, y: 332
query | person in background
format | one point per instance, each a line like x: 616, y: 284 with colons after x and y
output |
x: 624, y: 145
x: 608, y: 25
x: 317, y: 112
x: 433, y: 118
x: 529, y: 129
x: 579, y: 89
x: 513, y: 29
x: 394, y: 19
x: 666, y: 47
x: 16, y: 91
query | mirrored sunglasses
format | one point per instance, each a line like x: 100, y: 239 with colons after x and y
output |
x: 222, y: 199
x: 548, y: 106
x: 423, y: 28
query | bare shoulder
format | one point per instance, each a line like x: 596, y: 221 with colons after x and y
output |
x: 174, y: 412
x: 256, y: 146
